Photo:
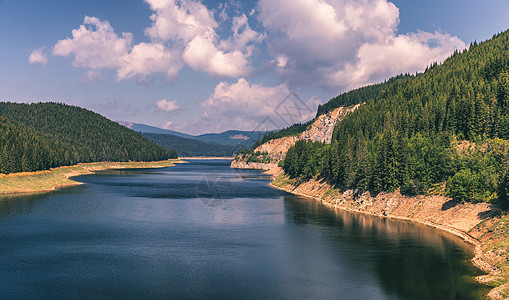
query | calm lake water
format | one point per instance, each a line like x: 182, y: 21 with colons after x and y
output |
x: 203, y: 230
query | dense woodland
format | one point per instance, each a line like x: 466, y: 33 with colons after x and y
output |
x: 45, y: 135
x: 351, y: 98
x: 292, y: 130
x: 192, y: 147
x: 357, y: 96
x: 444, y: 131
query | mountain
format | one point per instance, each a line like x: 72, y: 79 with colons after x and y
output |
x: 269, y: 151
x: 444, y: 131
x: 431, y: 148
x: 44, y: 135
x: 152, y: 129
x: 192, y: 147
x: 232, y: 137
x: 229, y: 138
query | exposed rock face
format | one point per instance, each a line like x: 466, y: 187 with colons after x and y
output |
x: 435, y: 211
x: 319, y: 131
x: 322, y: 128
x: 277, y: 148
x: 241, y: 164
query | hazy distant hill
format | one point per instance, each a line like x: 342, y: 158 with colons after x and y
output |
x: 230, y: 137
x: 151, y: 129
x: 192, y: 147
x: 44, y: 135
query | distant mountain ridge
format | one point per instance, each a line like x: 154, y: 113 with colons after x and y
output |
x: 152, y: 129
x: 229, y: 138
x: 191, y: 147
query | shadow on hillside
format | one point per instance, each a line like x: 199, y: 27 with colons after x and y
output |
x: 449, y: 204
x: 493, y: 211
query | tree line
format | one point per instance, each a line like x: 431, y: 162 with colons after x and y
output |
x: 40, y: 136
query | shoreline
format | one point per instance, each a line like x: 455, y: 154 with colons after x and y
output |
x: 474, y: 232
x: 205, y: 157
x: 459, y: 233
x: 50, y: 180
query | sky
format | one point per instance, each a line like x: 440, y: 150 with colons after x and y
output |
x: 209, y: 66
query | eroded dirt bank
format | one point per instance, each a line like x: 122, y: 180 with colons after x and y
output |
x: 472, y: 222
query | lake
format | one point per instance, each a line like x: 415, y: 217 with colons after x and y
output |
x: 203, y: 230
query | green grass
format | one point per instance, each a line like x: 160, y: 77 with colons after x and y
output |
x: 282, y: 180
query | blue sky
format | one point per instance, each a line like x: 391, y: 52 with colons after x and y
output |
x: 211, y: 66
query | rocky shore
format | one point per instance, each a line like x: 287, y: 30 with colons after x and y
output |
x: 471, y: 222
x: 481, y: 224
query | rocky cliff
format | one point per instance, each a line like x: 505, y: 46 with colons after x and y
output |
x: 319, y: 131
x: 322, y: 128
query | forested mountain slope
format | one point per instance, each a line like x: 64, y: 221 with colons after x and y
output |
x: 349, y: 99
x: 45, y: 135
x: 449, y: 124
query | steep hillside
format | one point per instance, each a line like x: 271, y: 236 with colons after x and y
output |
x: 431, y: 148
x: 357, y: 96
x: 268, y: 155
x: 45, y: 135
x: 411, y: 134
x: 443, y: 133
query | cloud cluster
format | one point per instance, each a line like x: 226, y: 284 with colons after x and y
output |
x: 337, y: 44
x: 345, y: 43
x: 182, y: 32
x: 398, y: 54
x: 38, y: 56
x: 249, y: 106
x: 334, y: 44
x: 95, y: 45
x: 167, y: 106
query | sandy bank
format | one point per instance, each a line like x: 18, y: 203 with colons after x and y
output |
x: 469, y: 221
x: 204, y: 157
x: 49, y: 180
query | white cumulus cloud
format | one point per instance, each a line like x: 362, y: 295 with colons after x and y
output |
x: 38, y: 56
x: 179, y: 20
x: 320, y: 42
x: 243, y: 105
x: 192, y: 27
x: 95, y: 45
x: 146, y: 58
x: 202, y: 55
x: 167, y: 125
x: 182, y: 32
x: 167, y: 106
x: 399, y: 54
